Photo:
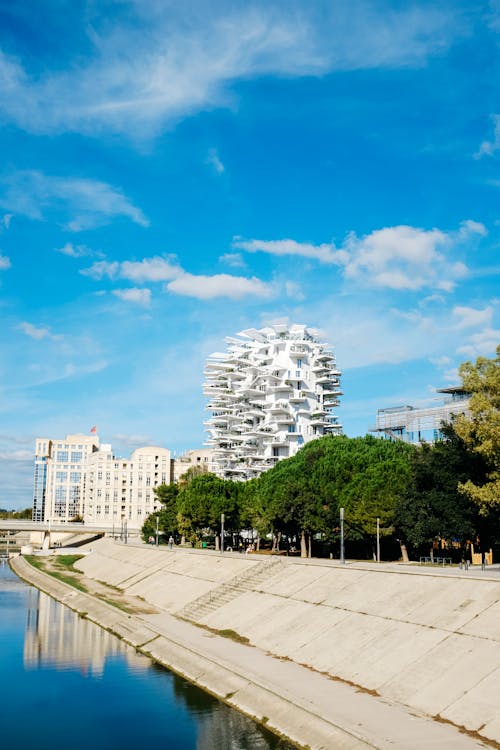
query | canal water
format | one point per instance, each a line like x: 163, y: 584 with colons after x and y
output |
x: 68, y: 684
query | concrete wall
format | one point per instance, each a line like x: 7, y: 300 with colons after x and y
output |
x: 429, y: 641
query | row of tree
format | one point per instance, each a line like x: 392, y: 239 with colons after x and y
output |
x: 447, y: 492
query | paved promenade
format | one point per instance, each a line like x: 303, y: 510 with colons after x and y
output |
x: 308, y: 707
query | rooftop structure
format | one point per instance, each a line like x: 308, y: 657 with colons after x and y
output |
x: 200, y: 458
x: 422, y: 424
x: 273, y: 390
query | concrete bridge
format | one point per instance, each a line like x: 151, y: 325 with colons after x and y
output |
x: 45, y: 532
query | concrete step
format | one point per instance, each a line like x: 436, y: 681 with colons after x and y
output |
x: 227, y: 592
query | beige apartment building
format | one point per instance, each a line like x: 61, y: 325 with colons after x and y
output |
x: 79, y: 478
x: 202, y: 458
x: 120, y: 490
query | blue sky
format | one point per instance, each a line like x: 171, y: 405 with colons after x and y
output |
x: 175, y: 172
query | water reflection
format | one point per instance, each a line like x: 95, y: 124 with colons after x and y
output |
x: 68, y: 673
x: 57, y: 637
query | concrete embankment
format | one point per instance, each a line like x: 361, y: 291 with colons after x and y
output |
x: 365, y: 656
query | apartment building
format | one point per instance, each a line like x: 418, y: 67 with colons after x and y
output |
x: 120, y: 490
x: 202, y: 458
x: 59, y: 478
x: 273, y: 390
x: 79, y: 478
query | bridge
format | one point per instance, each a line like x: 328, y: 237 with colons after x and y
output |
x: 9, y: 527
x: 73, y: 527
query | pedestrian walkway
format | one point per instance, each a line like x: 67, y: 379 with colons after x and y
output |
x: 308, y: 707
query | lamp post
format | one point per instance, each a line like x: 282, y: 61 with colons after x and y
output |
x: 378, y: 540
x: 342, y: 556
x: 157, y: 531
x: 222, y: 532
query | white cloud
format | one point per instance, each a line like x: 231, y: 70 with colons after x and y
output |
x: 35, y: 332
x: 17, y: 455
x: 78, y: 251
x: 159, y: 64
x: 72, y: 370
x: 214, y: 160
x: 324, y: 253
x: 483, y: 343
x: 405, y: 257
x: 220, y: 285
x: 233, y: 259
x: 147, y: 269
x: 488, y: 148
x: 102, y: 268
x: 293, y: 290
x: 6, y: 219
x: 470, y: 317
x: 137, y: 296
x: 4, y: 263
x: 86, y: 203
x: 399, y: 257
x: 469, y: 227
x: 150, y: 269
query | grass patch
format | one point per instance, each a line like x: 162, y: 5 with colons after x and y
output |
x: 37, y: 562
x: 64, y: 563
x: 70, y: 580
x: 233, y: 635
x: 118, y: 605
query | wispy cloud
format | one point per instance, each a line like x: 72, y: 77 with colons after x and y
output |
x: 214, y: 160
x: 159, y: 65
x: 220, y: 285
x: 233, y: 259
x: 37, y: 332
x: 78, y: 251
x: 324, y: 253
x: 4, y: 263
x: 86, y: 203
x: 147, y: 269
x: 137, y: 296
x: 488, y: 147
x: 482, y: 343
x: 470, y: 317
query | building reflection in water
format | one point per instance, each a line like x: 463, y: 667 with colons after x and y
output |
x: 58, y: 637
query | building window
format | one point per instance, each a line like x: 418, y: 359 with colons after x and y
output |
x: 75, y: 477
x: 76, y: 457
x: 61, y: 476
x: 62, y: 456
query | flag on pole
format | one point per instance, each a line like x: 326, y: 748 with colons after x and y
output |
x: 93, y: 430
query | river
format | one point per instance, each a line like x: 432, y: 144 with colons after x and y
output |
x: 67, y: 684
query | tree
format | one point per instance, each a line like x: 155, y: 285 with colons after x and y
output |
x: 433, y: 507
x: 168, y: 495
x: 302, y: 495
x: 201, y: 503
x: 481, y: 430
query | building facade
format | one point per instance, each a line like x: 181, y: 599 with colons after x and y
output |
x: 202, y: 458
x: 79, y: 478
x: 416, y: 425
x: 273, y: 390
x: 120, y: 491
x: 60, y: 474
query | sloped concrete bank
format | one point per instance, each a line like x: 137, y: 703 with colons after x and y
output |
x: 292, y: 610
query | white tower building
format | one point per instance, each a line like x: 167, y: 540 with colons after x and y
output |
x: 273, y: 390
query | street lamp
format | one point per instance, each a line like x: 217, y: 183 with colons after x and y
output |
x: 342, y: 556
x: 222, y: 532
